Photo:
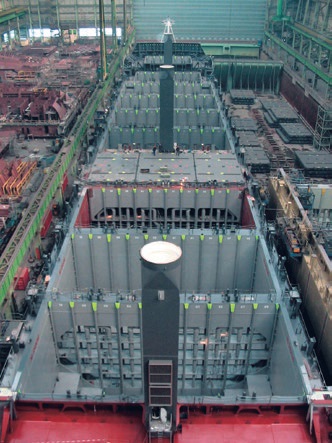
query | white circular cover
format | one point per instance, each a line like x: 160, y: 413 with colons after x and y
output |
x: 161, y: 252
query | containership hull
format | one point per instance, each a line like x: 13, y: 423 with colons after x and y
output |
x: 202, y: 348
x: 167, y: 315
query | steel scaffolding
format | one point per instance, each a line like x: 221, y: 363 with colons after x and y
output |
x: 323, y: 129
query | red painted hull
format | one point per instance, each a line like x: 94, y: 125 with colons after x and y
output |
x: 51, y: 424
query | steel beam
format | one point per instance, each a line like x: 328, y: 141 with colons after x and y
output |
x: 321, y: 40
x: 327, y: 78
x: 11, y: 14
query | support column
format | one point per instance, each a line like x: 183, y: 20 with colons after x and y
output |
x: 103, y: 61
x: 50, y: 312
x: 124, y: 31
x: 226, y: 208
x: 58, y: 15
x: 230, y: 327
x: 251, y: 336
x: 109, y: 259
x: 39, y: 17
x: 220, y: 239
x: 76, y: 341
x: 95, y: 319
x: 92, y: 260
x: 118, y: 332
x: 114, y: 36
x: 206, y: 351
x: 74, y: 252
x: 185, y: 336
x: 30, y: 21
x: 254, y: 266
x: 76, y: 17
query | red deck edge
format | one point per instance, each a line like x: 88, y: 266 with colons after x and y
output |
x: 41, y: 422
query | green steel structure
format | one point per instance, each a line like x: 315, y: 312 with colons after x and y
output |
x: 321, y: 40
x: 323, y: 129
x: 69, y: 15
x: 232, y: 50
x: 272, y: 39
x: 249, y: 74
x: 12, y: 14
x: 19, y: 244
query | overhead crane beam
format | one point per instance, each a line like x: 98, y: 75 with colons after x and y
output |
x: 19, y: 243
x: 11, y: 14
x: 307, y: 63
x: 320, y: 39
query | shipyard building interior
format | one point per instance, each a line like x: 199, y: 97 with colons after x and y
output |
x: 165, y: 216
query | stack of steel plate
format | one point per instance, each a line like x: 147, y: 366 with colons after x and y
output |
x: 242, y: 97
x: 247, y: 138
x: 244, y: 124
x: 314, y: 164
x: 256, y: 160
x: 295, y: 133
x: 277, y: 112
